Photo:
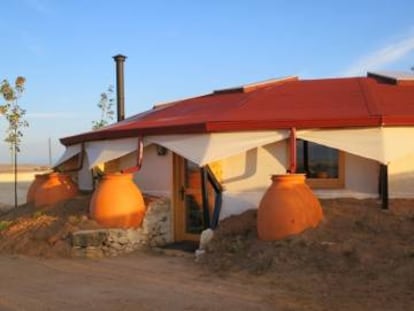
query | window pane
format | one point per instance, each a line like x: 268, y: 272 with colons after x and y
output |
x: 192, y: 175
x: 317, y: 161
x: 194, y: 214
x: 300, y: 157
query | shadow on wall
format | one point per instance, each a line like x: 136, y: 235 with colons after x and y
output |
x: 250, y: 167
x: 401, y: 185
x: 235, y: 203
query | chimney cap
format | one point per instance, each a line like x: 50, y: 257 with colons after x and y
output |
x: 119, y: 57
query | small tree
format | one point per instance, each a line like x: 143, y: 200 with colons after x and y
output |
x: 14, y: 115
x: 105, y: 105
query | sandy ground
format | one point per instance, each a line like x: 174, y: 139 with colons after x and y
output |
x: 136, y: 282
x: 359, y: 258
x: 140, y: 281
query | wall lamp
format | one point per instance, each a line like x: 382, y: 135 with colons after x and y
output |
x: 161, y: 151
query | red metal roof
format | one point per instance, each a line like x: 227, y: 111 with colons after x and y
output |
x: 325, y: 103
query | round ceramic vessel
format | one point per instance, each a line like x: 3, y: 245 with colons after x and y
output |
x: 37, y: 182
x: 288, y: 207
x: 57, y: 187
x: 117, y: 202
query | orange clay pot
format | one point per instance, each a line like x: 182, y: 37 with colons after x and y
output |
x: 288, y: 207
x: 57, y: 187
x: 117, y: 202
x: 39, y: 179
x: 312, y: 206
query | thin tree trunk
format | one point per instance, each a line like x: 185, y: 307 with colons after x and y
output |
x: 15, y: 176
x: 50, y: 151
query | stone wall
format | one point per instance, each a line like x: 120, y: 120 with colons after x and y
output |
x: 156, y: 230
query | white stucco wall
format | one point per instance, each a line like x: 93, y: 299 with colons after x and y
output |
x: 361, y: 180
x: 85, y: 178
x: 155, y: 176
x: 361, y: 175
x: 401, y: 178
x: 247, y: 176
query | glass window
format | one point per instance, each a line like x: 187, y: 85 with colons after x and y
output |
x: 317, y: 161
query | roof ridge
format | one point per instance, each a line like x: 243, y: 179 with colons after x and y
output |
x: 246, y: 88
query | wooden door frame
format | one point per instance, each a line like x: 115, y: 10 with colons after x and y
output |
x: 179, y: 203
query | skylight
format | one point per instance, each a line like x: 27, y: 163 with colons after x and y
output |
x: 395, y: 77
x: 256, y: 85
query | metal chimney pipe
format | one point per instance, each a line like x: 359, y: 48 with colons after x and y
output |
x: 120, y: 93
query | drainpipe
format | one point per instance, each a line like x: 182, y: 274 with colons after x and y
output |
x: 383, y: 181
x: 120, y: 94
x: 292, y: 146
x: 140, y: 155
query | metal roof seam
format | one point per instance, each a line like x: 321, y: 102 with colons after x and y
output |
x: 369, y: 98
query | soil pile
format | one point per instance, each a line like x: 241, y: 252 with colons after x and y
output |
x: 360, y: 257
x: 352, y: 232
x: 359, y: 251
x: 44, y: 232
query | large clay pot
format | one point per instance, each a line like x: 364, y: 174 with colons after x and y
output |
x: 311, y: 204
x: 117, y: 202
x: 288, y: 207
x: 57, y: 187
x: 37, y: 182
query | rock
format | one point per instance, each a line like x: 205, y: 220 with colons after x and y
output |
x: 134, y: 235
x: 85, y: 238
x: 116, y: 246
x: 155, y: 231
x: 199, y: 253
x: 123, y: 240
x: 205, y: 238
x: 112, y: 253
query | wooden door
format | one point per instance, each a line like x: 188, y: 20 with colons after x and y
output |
x: 188, y: 207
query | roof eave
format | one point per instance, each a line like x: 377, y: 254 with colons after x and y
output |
x: 232, y: 126
x: 133, y: 132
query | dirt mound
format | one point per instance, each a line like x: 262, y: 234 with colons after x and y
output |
x: 358, y: 250
x: 359, y: 256
x: 44, y: 232
x: 352, y: 232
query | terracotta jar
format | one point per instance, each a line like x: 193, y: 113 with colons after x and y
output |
x: 117, y: 202
x: 39, y: 179
x: 288, y: 207
x: 57, y: 187
x: 311, y: 205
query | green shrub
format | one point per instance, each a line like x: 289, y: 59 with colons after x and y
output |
x: 4, y: 224
x: 37, y: 214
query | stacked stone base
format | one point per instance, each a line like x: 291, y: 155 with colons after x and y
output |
x: 155, y: 231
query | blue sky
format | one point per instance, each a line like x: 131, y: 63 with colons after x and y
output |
x: 182, y: 48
